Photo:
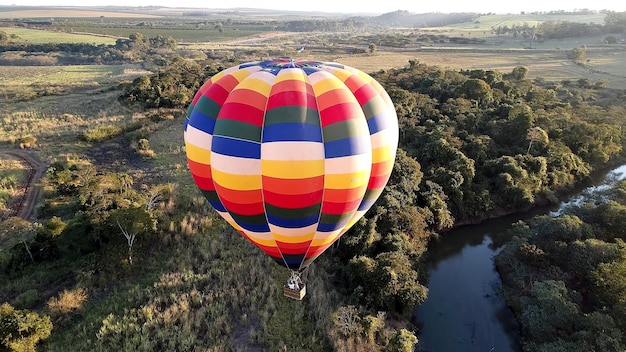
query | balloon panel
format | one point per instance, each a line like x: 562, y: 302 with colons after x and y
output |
x: 291, y: 153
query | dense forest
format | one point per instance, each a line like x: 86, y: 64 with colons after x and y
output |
x: 473, y: 145
x: 564, y: 276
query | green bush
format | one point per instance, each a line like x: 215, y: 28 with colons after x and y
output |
x: 101, y: 133
x: 21, y: 330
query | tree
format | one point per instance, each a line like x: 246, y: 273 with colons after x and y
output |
x: 403, y: 341
x: 132, y: 222
x: 536, y: 134
x: 21, y: 330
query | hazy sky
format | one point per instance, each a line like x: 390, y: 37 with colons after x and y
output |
x: 375, y: 6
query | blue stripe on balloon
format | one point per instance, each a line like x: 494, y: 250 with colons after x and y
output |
x: 236, y: 147
x: 324, y: 227
x: 202, y: 122
x: 366, y: 204
x: 292, y: 223
x: 348, y: 147
x: 254, y: 227
x: 298, y: 132
x: 218, y: 206
x: 293, y: 263
x: 378, y: 122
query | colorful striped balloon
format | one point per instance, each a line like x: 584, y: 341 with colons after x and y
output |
x: 291, y: 153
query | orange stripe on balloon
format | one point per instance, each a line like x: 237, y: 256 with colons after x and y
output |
x: 228, y: 83
x: 315, y: 251
x: 245, y: 196
x: 382, y: 168
x: 335, y: 97
x: 342, y: 195
x: 272, y: 251
x: 248, y: 97
x: 340, y: 208
x: 293, y: 186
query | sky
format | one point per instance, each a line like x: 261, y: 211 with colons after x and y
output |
x: 367, y: 6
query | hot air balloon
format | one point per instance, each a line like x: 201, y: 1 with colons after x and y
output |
x: 291, y: 153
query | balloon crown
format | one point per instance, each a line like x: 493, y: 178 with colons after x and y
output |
x: 282, y: 63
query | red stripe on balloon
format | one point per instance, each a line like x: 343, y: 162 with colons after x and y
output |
x: 340, y: 112
x: 365, y: 94
x: 293, y: 248
x: 199, y: 169
x: 271, y: 251
x: 377, y: 182
x: 204, y: 183
x: 293, y: 186
x: 291, y: 98
x: 246, y: 209
x: 382, y: 168
x: 340, y: 208
x: 292, y: 201
x: 217, y: 93
x: 248, y: 97
x: 314, y: 251
x: 245, y: 197
x: 242, y: 112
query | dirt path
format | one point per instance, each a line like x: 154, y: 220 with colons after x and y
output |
x: 30, y: 190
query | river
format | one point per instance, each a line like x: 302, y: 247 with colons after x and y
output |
x: 464, y: 311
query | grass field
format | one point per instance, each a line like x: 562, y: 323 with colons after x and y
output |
x: 35, y: 36
x: 59, y: 75
x: 70, y: 13
x: 600, y: 67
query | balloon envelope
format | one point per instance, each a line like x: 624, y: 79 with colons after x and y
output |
x: 291, y: 153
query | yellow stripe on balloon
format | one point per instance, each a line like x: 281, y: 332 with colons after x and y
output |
x: 293, y: 239
x: 325, y: 238
x: 240, y: 75
x: 292, y: 169
x: 263, y: 238
x: 344, y: 181
x: 383, y: 153
x: 343, y: 75
x: 260, y: 82
x: 197, y: 154
x: 236, y: 182
x: 290, y: 74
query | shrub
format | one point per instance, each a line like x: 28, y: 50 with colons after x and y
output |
x: 21, y: 330
x: 101, y: 133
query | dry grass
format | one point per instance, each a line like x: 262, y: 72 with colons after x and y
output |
x: 67, y: 301
x: 602, y: 66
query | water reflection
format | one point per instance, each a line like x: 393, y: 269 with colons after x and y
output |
x: 464, y: 311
